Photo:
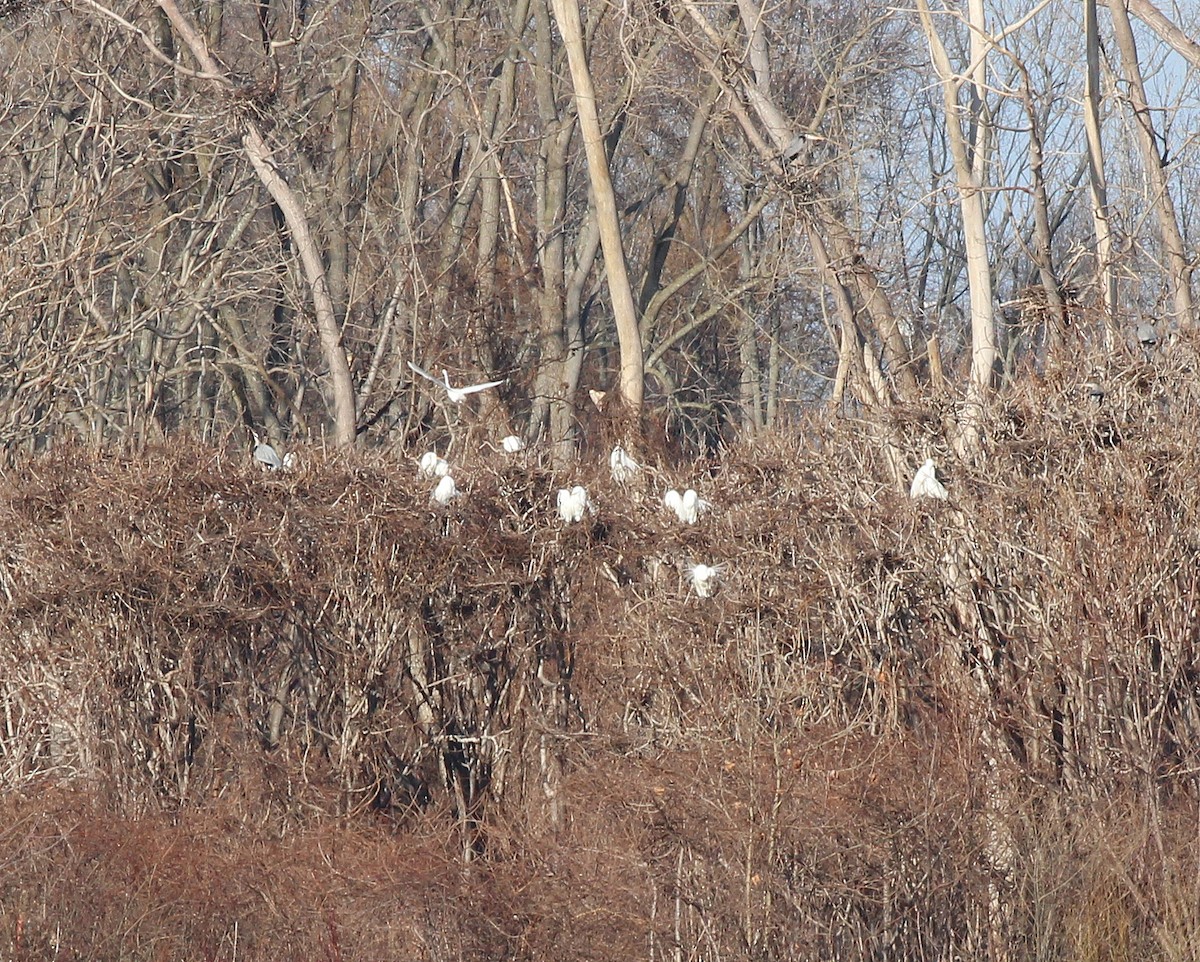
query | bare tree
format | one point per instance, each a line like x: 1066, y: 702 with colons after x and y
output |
x: 619, y: 289
x: 1097, y: 183
x: 969, y: 146
x: 1178, y: 265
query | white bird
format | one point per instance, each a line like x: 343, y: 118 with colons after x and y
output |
x: 925, y: 483
x: 512, y: 444
x: 446, y: 490
x: 704, y: 578
x: 693, y: 506
x: 572, y: 504
x: 623, y: 467
x: 266, y: 455
x: 431, y: 466
x: 687, y: 506
x: 456, y: 394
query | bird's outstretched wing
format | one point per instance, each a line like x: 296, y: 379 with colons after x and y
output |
x: 472, y: 388
x: 426, y: 375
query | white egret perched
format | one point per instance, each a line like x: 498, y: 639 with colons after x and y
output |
x: 456, y: 394
x: 431, y: 466
x: 446, y: 490
x: 704, y: 578
x: 512, y: 444
x: 925, y: 483
x: 572, y: 504
x: 687, y: 506
x: 623, y: 467
x: 266, y: 455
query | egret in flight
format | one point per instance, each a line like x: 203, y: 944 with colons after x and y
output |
x: 446, y: 490
x: 623, y: 467
x: 431, y: 466
x: 925, y: 483
x: 704, y: 578
x: 687, y: 506
x: 572, y: 504
x: 456, y: 394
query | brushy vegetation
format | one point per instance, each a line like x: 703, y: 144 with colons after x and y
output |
x: 309, y: 715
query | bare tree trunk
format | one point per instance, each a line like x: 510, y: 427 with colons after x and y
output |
x: 844, y: 257
x: 969, y: 159
x: 1150, y: 15
x: 1043, y: 235
x: 345, y: 427
x: 1179, y: 271
x: 566, y: 12
x: 1098, y: 185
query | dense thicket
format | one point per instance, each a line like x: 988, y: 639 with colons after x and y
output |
x: 315, y: 713
x: 255, y: 714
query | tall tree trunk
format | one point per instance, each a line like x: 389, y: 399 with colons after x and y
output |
x: 566, y: 12
x: 345, y: 426
x: 1097, y: 183
x: 970, y: 155
x: 1179, y: 270
x: 1043, y: 235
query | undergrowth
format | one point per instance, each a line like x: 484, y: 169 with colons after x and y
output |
x: 311, y: 715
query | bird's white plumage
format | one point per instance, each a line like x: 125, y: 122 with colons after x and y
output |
x: 925, y: 483
x: 573, y: 503
x: 687, y: 506
x: 623, y: 467
x: 693, y: 506
x: 512, y: 444
x: 445, y: 491
x: 704, y: 578
x: 432, y: 466
x: 456, y: 394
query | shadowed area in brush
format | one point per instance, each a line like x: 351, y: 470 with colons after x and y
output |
x: 311, y: 715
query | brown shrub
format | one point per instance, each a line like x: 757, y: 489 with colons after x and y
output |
x: 314, y: 714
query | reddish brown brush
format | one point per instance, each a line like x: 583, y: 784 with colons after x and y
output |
x: 310, y: 715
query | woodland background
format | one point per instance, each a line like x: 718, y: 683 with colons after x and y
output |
x: 802, y: 246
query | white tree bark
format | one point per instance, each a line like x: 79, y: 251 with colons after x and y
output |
x: 970, y: 157
x: 566, y: 12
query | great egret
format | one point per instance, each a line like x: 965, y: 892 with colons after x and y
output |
x: 572, y: 504
x: 266, y: 455
x: 456, y: 394
x: 431, y: 466
x: 687, y: 506
x: 623, y: 467
x: 704, y: 578
x: 512, y: 444
x: 925, y: 483
x: 446, y: 490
